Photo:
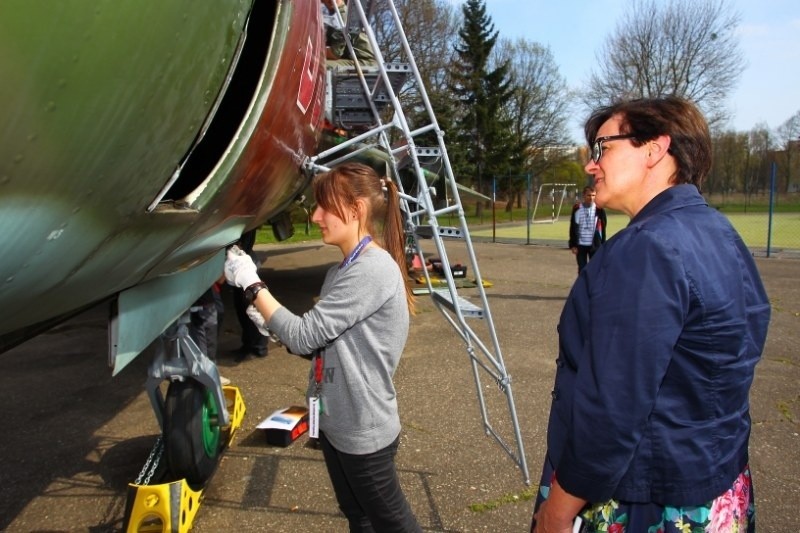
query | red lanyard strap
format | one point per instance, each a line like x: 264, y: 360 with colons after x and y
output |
x: 318, y: 367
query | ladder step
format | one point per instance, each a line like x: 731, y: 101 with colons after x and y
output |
x: 350, y: 106
x: 468, y: 309
x: 346, y: 80
x: 353, y: 119
x: 426, y: 232
x: 428, y: 157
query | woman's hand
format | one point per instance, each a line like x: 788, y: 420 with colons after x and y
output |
x: 557, y: 513
x: 240, y: 270
x: 551, y: 522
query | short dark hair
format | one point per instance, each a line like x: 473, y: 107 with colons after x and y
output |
x: 647, y: 118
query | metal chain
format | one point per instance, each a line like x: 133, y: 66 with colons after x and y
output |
x: 151, y: 464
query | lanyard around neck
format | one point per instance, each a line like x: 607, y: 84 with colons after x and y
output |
x: 357, y: 250
x: 318, y: 364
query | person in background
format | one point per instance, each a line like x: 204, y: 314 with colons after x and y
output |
x: 254, y: 342
x: 587, y: 228
x: 357, y: 332
x: 658, y: 342
x: 336, y: 52
x: 205, y: 318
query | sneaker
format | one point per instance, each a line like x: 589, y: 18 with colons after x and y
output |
x: 224, y: 381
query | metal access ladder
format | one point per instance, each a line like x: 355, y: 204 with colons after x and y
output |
x: 358, y: 98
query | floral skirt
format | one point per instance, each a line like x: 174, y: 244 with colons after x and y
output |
x: 731, y: 512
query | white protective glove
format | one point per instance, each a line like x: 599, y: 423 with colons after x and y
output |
x: 240, y: 270
x: 258, y: 319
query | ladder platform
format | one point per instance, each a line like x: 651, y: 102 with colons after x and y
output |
x: 348, y: 91
x: 467, y: 308
x: 427, y: 156
x: 371, y: 70
x: 426, y: 232
x: 351, y: 107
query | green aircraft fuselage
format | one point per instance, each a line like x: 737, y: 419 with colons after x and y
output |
x: 138, y: 139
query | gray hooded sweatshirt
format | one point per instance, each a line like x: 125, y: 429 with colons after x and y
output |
x: 361, y: 323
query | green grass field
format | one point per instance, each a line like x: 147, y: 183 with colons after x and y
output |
x: 752, y: 227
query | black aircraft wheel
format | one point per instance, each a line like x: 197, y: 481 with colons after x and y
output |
x: 191, y: 431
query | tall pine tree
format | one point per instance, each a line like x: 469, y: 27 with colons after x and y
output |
x: 480, y: 92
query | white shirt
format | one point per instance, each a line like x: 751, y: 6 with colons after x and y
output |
x: 586, y: 219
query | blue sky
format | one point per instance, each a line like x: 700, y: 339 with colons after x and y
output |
x: 575, y: 30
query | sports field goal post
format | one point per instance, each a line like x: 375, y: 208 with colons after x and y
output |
x: 550, y: 198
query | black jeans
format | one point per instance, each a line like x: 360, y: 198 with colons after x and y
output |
x: 368, y: 489
x: 584, y: 254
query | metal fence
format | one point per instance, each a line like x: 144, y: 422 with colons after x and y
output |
x: 769, y: 223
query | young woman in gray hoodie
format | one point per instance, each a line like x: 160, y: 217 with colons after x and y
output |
x: 357, y: 332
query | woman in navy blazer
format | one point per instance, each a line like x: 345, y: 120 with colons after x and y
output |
x: 658, y: 341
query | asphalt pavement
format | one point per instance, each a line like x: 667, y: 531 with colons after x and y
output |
x: 76, y: 436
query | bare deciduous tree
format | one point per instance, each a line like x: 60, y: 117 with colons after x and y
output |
x: 540, y: 101
x: 538, y: 108
x: 686, y: 48
x: 730, y: 161
x: 431, y: 27
x: 761, y: 146
x: 789, y: 137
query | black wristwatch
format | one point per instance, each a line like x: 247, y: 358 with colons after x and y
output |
x: 251, y: 291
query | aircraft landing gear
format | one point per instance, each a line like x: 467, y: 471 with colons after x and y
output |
x: 195, y: 410
x: 198, y: 419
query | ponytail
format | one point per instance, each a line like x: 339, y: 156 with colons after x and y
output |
x: 394, y: 236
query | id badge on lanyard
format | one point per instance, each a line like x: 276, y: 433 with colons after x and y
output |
x: 313, y: 416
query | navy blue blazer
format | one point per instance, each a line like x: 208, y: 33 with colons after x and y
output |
x: 658, y: 341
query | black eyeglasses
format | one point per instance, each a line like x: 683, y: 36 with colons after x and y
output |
x: 597, y: 145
